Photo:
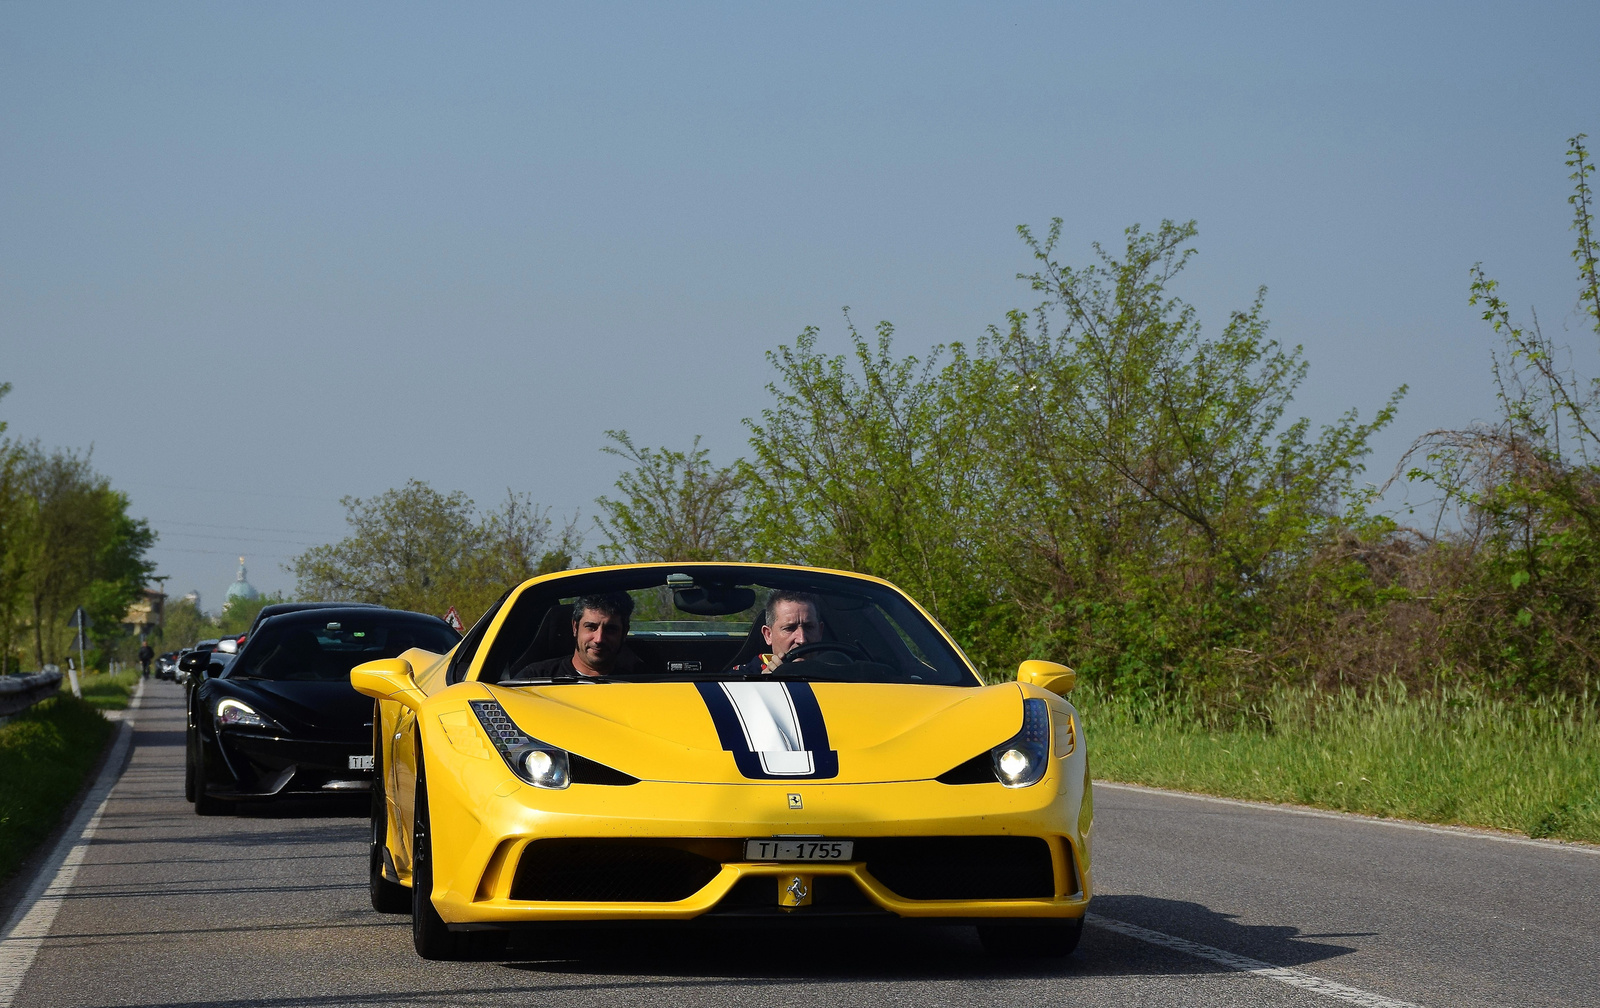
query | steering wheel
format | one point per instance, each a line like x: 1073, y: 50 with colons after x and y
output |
x: 850, y: 651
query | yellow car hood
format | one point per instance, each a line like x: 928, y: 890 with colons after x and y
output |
x: 750, y: 732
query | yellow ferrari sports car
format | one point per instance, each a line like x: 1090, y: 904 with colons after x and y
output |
x: 722, y: 744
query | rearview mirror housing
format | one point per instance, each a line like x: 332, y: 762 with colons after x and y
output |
x: 1048, y: 675
x: 388, y: 679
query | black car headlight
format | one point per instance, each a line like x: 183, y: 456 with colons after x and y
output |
x: 1022, y: 759
x: 231, y: 713
x: 539, y: 764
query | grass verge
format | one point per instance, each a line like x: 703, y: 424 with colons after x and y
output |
x: 1531, y: 767
x: 45, y: 753
x: 108, y: 692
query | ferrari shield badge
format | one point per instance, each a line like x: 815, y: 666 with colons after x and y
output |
x: 794, y: 801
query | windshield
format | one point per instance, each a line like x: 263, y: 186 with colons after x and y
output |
x: 326, y: 648
x: 706, y: 623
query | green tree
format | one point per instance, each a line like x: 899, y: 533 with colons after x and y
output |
x: 1099, y: 482
x: 1521, y: 572
x: 416, y: 548
x: 674, y: 506
x: 183, y: 625
x: 76, y: 545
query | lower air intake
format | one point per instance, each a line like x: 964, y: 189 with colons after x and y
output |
x: 610, y: 871
x: 960, y: 868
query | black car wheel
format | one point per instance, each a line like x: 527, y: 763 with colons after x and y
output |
x: 1050, y: 940
x: 188, y: 766
x: 429, y: 934
x: 204, y: 804
x: 387, y: 896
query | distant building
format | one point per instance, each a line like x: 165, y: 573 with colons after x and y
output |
x: 240, y: 590
x: 145, y: 614
x: 193, y: 598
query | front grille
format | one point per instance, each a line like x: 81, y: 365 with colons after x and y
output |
x: 611, y: 871
x: 960, y: 868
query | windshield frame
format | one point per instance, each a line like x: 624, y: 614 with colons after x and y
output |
x: 634, y: 577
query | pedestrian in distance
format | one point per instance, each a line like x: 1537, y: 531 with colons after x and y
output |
x: 146, y: 655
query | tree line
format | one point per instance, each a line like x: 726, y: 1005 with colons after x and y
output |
x: 66, y: 539
x: 1101, y: 481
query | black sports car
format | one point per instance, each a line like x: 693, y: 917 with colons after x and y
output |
x: 281, y: 719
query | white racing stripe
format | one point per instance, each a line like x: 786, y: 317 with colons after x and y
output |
x: 1244, y: 964
x: 771, y: 726
x: 1571, y: 847
x: 30, y: 924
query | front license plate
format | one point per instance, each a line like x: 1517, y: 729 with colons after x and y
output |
x: 799, y: 850
x: 361, y: 762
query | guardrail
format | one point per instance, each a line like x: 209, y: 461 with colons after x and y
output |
x: 19, y: 692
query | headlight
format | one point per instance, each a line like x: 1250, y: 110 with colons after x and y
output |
x: 237, y: 712
x: 539, y: 764
x: 1022, y: 760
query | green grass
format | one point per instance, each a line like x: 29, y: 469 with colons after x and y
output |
x: 1530, y: 767
x: 45, y: 753
x: 108, y: 692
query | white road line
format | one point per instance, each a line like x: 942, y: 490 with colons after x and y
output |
x: 1455, y: 831
x: 28, y: 927
x: 1244, y: 964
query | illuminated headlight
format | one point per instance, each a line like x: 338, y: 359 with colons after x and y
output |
x: 541, y: 765
x: 231, y: 712
x: 1022, y: 760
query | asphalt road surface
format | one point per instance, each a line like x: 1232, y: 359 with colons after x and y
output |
x: 1199, y: 903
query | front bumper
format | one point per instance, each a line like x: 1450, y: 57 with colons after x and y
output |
x: 265, y: 766
x: 482, y: 849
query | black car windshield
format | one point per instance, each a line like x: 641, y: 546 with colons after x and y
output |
x: 704, y: 622
x: 325, y: 647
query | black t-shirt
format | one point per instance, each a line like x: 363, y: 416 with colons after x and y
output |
x: 550, y: 668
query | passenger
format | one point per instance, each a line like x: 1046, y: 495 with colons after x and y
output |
x: 789, y: 620
x: 599, y: 624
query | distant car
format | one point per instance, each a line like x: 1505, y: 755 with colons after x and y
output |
x: 167, y: 665
x: 280, y: 718
x: 868, y: 775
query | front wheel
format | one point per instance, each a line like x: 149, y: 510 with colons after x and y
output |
x: 386, y: 896
x: 188, y: 766
x: 1046, y: 940
x: 204, y: 804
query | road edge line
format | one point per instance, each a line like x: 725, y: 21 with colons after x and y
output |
x: 24, y: 933
x: 1244, y: 964
x: 1469, y: 832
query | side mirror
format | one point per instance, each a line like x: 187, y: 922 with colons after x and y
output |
x: 194, y: 662
x: 388, y: 679
x: 1058, y: 679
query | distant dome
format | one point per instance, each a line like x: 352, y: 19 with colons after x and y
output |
x: 240, y: 589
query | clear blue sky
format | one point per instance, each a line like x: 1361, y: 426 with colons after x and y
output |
x: 263, y: 256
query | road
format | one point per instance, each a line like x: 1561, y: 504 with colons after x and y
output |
x: 1199, y: 903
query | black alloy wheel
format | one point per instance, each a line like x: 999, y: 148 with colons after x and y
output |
x: 387, y: 897
x: 204, y: 804
x: 1044, y: 940
x: 188, y: 766
x: 429, y: 933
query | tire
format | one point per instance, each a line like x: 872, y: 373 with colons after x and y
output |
x: 1050, y: 940
x: 188, y: 767
x: 387, y: 897
x: 204, y: 804
x: 429, y: 935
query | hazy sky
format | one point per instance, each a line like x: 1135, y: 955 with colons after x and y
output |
x: 264, y: 256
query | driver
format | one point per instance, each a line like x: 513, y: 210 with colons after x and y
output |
x: 789, y: 620
x: 599, y: 624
